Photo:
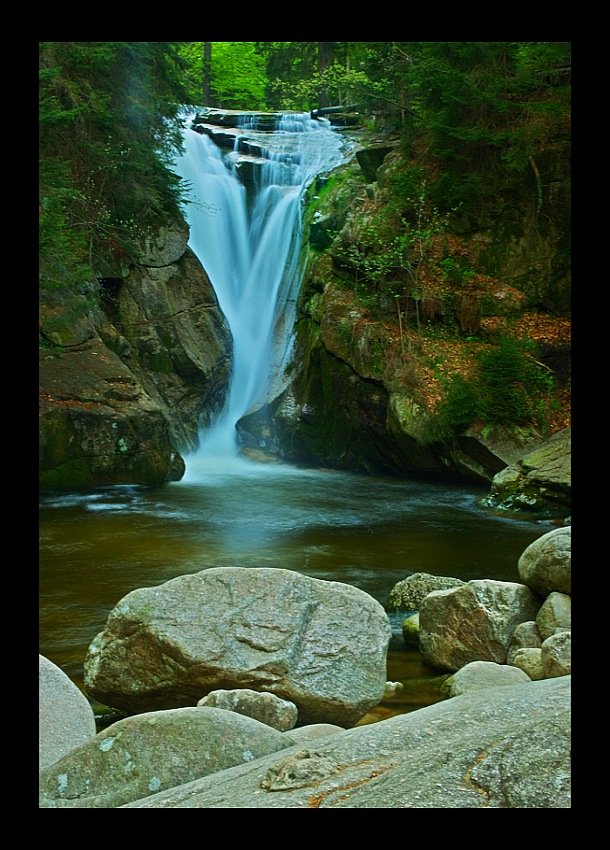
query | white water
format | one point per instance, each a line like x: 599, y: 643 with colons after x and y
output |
x: 250, y: 246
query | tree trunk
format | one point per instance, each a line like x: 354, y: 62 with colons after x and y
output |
x: 325, y: 58
x: 207, y: 65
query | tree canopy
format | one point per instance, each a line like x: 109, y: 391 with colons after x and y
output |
x: 109, y: 117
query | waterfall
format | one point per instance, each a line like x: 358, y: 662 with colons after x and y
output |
x: 249, y: 243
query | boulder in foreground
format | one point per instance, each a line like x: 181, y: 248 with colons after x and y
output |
x: 321, y: 645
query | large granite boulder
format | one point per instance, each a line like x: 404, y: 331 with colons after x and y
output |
x: 474, y: 622
x: 152, y: 752
x: 321, y: 645
x: 546, y: 564
x: 65, y: 717
x: 500, y: 747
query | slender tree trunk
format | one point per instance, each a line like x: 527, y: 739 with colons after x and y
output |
x: 538, y: 182
x: 402, y: 338
x: 325, y: 58
x: 207, y: 71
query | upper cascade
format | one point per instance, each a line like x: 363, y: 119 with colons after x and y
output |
x: 290, y: 140
x: 265, y: 121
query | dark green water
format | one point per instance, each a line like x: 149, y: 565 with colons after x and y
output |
x: 95, y: 547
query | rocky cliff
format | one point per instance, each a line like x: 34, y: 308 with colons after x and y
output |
x: 128, y: 367
x: 371, y: 369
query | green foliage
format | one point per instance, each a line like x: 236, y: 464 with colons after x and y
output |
x: 237, y: 74
x: 456, y: 272
x: 511, y: 384
x: 289, y: 66
x: 109, y: 127
x: 406, y: 185
x: 511, y: 389
x: 461, y: 406
x: 481, y: 106
x: 238, y: 78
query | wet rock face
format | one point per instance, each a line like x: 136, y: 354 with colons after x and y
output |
x: 167, y: 328
x: 540, y: 480
x: 353, y: 402
x: 97, y: 427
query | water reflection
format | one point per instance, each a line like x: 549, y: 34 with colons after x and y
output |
x: 368, y: 532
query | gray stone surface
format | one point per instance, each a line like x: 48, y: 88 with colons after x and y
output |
x: 529, y: 659
x: 150, y: 752
x: 65, y: 717
x: 321, y: 645
x: 504, y: 747
x: 526, y: 635
x: 556, y: 654
x: 483, y: 674
x: 408, y: 593
x: 474, y: 622
x: 546, y: 564
x: 265, y: 707
x: 555, y: 615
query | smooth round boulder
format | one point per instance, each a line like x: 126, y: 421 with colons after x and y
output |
x: 138, y: 756
x: 483, y: 674
x: 546, y: 564
x: 265, y: 707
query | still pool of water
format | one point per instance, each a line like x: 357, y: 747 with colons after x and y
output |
x: 368, y: 532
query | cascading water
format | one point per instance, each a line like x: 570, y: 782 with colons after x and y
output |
x: 249, y: 244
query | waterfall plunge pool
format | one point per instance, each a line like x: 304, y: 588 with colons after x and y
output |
x: 369, y: 532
